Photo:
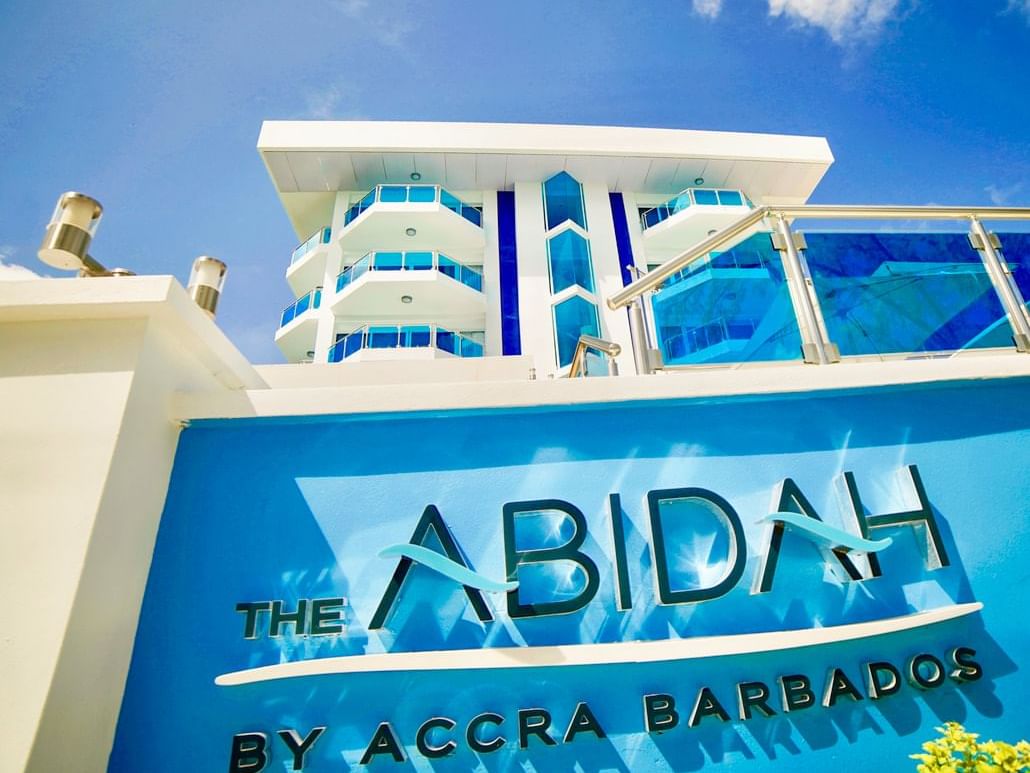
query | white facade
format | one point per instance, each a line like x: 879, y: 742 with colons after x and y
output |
x: 324, y: 169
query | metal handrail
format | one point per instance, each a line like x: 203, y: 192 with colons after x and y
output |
x: 653, y: 279
x: 585, y: 342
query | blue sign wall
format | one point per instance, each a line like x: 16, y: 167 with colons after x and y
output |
x: 726, y: 516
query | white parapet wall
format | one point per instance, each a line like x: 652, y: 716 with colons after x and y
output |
x: 87, y: 441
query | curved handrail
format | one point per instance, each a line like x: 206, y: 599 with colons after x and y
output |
x: 585, y: 342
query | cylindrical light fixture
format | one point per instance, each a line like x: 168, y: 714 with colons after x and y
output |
x: 71, y: 229
x: 206, y: 281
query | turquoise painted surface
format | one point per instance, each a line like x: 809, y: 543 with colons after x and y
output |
x: 302, y: 508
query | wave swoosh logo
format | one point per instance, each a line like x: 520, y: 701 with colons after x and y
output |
x: 448, y: 568
x: 817, y: 531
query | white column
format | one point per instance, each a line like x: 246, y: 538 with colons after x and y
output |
x: 535, y: 316
x: 491, y: 276
x: 607, y: 274
x: 325, y: 336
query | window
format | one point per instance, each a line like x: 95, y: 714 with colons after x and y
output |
x: 572, y: 318
x: 563, y: 200
x: 568, y: 257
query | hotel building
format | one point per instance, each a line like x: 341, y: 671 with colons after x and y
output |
x: 596, y: 448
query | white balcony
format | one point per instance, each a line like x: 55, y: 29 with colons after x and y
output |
x: 409, y: 285
x: 297, y: 326
x: 689, y: 217
x: 411, y: 217
x: 307, y: 263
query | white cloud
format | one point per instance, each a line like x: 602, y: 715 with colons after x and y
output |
x: 334, y: 101
x: 710, y: 8
x: 843, y: 20
x: 1001, y: 196
x: 323, y: 104
x: 388, y: 28
x: 1019, y: 6
x: 12, y: 272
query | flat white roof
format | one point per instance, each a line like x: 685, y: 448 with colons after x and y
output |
x: 308, y: 160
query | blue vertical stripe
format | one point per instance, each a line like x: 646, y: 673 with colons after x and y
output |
x: 622, y: 237
x: 511, y: 337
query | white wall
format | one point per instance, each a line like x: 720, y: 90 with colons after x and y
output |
x: 491, y: 276
x: 607, y: 274
x: 534, y: 285
x: 87, y: 442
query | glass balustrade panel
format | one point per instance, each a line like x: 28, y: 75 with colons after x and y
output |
x: 1015, y: 250
x: 893, y: 293
x: 422, y: 194
x: 418, y: 261
x: 730, y: 307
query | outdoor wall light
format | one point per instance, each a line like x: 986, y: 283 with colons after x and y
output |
x: 206, y: 281
x: 69, y: 233
x: 410, y: 231
x: 416, y: 176
x: 406, y: 299
x: 699, y: 181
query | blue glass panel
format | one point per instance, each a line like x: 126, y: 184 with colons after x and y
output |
x: 317, y: 300
x: 382, y: 337
x: 415, y: 336
x: 569, y: 259
x: 894, y: 292
x: 705, y: 197
x: 622, y: 241
x: 446, y: 341
x: 730, y: 198
x: 470, y: 348
x: 508, y: 274
x: 449, y: 267
x: 471, y: 278
x: 472, y: 214
x: 450, y: 201
x: 418, y: 261
x: 422, y: 194
x: 392, y: 194
x: 563, y: 200
x: 388, y: 261
x: 1015, y: 250
x: 353, y: 343
x: 731, y: 308
x: 287, y: 315
x: 336, y: 351
x: 302, y: 305
x: 573, y: 318
x: 652, y: 217
x: 678, y: 204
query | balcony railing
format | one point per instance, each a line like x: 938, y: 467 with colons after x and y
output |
x: 410, y: 261
x: 318, y: 238
x: 833, y: 295
x: 414, y: 194
x: 311, y: 300
x: 692, y: 197
x: 734, y: 259
x: 404, y: 337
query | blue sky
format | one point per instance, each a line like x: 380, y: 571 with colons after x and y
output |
x: 154, y: 108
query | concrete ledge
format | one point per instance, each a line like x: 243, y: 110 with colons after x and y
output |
x: 158, y: 298
x: 317, y: 399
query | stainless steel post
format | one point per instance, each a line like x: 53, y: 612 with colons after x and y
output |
x: 815, y: 345
x: 638, y: 335
x: 1004, y: 285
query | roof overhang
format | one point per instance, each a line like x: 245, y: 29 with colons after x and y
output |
x: 309, y: 161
